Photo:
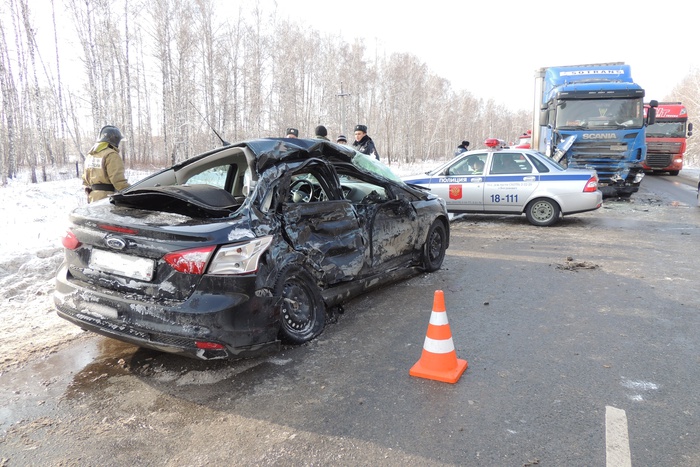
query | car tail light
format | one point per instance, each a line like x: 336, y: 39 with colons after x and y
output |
x: 239, y: 258
x: 190, y: 261
x: 591, y: 185
x: 209, y: 345
x: 70, y: 241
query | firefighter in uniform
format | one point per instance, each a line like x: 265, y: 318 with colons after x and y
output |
x: 104, y: 169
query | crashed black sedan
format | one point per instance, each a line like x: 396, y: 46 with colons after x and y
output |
x: 240, y: 249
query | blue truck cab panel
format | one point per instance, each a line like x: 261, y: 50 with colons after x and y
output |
x: 592, y: 116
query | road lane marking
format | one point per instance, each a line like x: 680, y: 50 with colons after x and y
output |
x: 617, y: 442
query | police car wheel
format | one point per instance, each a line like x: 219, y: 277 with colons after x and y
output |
x: 542, y: 212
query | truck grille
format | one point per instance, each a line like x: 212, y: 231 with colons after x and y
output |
x: 606, y: 157
x: 663, y: 148
x: 658, y: 160
x: 660, y: 154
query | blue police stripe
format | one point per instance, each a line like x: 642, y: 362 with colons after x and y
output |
x: 503, y: 178
x: 537, y: 177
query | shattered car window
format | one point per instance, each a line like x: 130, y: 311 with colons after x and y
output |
x: 360, y: 191
x: 306, y: 188
x: 373, y: 165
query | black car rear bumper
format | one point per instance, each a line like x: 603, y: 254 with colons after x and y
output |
x: 244, y: 325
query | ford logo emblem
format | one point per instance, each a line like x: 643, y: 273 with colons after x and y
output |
x: 115, y: 243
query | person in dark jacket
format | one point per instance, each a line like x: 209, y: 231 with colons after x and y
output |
x: 363, y: 143
x: 462, y: 148
x: 292, y: 133
x: 321, y: 133
x: 104, y: 169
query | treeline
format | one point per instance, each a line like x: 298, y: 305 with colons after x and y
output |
x: 165, y: 72
x: 688, y: 92
x: 168, y: 72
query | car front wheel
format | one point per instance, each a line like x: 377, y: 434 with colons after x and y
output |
x: 542, y: 212
x: 302, y: 311
x: 435, y: 246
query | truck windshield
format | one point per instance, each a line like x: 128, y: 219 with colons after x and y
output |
x: 591, y: 114
x: 662, y: 129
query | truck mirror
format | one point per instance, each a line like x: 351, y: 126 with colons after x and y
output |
x: 690, y: 129
x: 651, y: 114
x: 543, y: 117
x: 653, y: 103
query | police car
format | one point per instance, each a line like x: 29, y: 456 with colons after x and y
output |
x: 498, y: 180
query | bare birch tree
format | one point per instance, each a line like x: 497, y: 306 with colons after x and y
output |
x: 8, y: 165
x: 163, y: 71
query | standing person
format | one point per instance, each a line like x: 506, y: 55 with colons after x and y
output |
x: 363, y: 143
x: 462, y: 148
x: 292, y: 133
x: 341, y: 139
x: 321, y: 133
x: 104, y: 168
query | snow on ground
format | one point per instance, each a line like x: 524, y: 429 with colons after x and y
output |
x: 33, y: 218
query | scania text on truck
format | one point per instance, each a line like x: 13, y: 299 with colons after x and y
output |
x: 666, y: 138
x: 592, y: 116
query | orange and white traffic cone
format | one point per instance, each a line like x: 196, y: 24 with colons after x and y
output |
x: 439, y: 360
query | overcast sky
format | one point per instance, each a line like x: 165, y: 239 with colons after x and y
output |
x: 493, y: 47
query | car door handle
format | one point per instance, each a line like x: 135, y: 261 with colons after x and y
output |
x: 476, y: 180
x: 529, y: 179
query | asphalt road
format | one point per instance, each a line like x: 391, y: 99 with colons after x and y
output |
x: 581, y: 339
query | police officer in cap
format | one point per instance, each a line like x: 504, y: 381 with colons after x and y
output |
x: 104, y: 169
x: 363, y: 143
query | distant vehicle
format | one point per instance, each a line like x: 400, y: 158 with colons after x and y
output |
x: 524, y: 140
x: 593, y: 116
x: 666, y: 138
x: 232, y: 252
x: 512, y: 181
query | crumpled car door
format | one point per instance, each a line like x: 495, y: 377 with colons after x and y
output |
x: 393, y: 227
x: 328, y: 233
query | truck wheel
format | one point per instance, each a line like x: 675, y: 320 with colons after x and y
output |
x: 673, y: 172
x: 302, y: 311
x: 542, y: 212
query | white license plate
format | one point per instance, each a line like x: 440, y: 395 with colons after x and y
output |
x: 122, y: 265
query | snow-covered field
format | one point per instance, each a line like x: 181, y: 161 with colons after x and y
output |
x: 33, y: 218
x: 32, y: 221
